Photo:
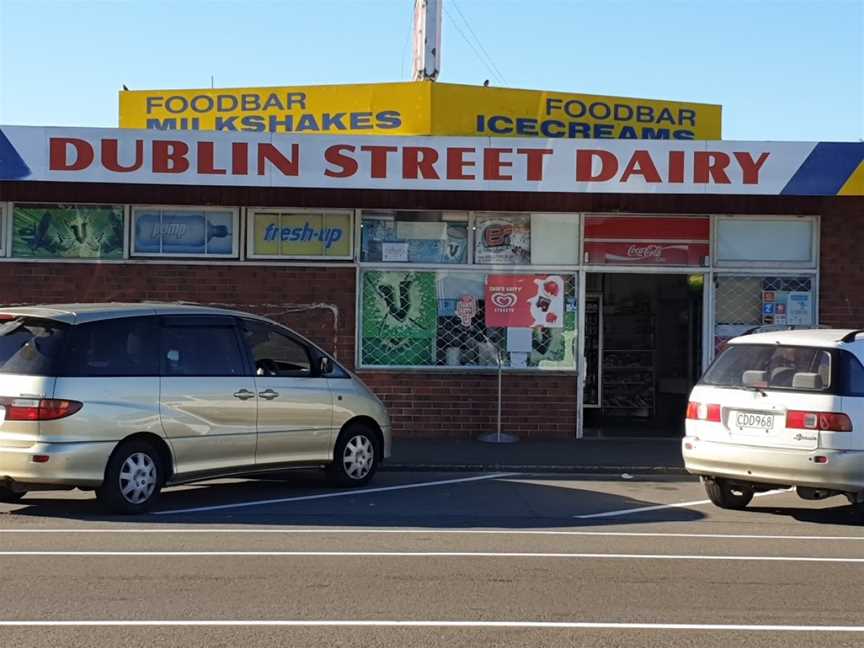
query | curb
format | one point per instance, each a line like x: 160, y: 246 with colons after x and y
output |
x: 534, y: 468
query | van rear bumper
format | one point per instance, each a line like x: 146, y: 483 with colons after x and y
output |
x: 69, y: 464
x: 844, y: 470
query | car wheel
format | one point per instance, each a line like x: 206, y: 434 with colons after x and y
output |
x: 133, y: 479
x: 726, y: 496
x: 9, y: 496
x: 355, y: 458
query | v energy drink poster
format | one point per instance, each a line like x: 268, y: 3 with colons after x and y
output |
x: 400, y: 318
x: 67, y: 232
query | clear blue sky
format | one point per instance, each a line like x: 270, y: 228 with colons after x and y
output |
x: 783, y: 70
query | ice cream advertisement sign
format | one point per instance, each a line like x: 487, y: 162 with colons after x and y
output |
x: 525, y: 301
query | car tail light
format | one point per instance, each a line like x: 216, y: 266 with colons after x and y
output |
x: 35, y: 409
x: 828, y: 421
x: 703, y: 412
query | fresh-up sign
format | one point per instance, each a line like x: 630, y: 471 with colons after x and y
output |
x: 293, y: 234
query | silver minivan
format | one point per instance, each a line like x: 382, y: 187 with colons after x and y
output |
x: 126, y: 398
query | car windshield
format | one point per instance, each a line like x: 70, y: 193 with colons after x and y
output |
x: 29, y: 345
x: 771, y: 367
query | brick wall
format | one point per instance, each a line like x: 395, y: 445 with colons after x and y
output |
x: 841, y: 302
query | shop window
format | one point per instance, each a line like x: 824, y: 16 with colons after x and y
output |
x: 468, y: 319
x: 643, y: 240
x: 503, y: 239
x: 299, y: 234
x: 414, y: 237
x: 67, y: 231
x: 761, y: 241
x: 555, y: 239
x: 184, y: 232
x: 2, y: 230
x: 744, y: 303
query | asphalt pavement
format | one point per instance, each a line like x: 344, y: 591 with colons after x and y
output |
x: 433, y: 559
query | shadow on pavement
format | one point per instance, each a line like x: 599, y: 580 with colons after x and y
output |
x: 842, y: 514
x: 514, y: 502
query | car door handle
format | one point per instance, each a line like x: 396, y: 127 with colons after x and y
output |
x: 268, y: 394
x: 244, y: 394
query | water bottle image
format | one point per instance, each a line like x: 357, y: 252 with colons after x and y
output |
x: 183, y: 233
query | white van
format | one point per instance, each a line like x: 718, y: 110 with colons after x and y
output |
x: 780, y: 409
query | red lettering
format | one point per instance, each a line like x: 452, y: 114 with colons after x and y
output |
x: 206, y: 159
x: 378, y: 158
x: 59, y: 146
x: 169, y: 156
x: 419, y: 161
x: 110, y: 156
x: 585, y: 165
x: 347, y: 165
x: 456, y: 163
x: 240, y: 158
x: 534, y: 161
x: 492, y: 164
x: 641, y: 163
x: 287, y: 166
x: 749, y: 167
x: 710, y: 163
x: 676, y: 167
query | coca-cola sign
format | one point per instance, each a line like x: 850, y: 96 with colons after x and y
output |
x: 624, y: 253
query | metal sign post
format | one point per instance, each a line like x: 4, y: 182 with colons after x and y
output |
x: 498, y: 436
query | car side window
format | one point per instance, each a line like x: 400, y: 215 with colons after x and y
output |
x: 189, y: 349
x: 274, y: 352
x: 125, y: 346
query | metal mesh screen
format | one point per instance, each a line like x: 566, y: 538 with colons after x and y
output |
x: 742, y: 303
x: 437, y: 319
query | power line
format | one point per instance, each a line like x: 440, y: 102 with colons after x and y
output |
x: 467, y: 40
x: 479, y: 42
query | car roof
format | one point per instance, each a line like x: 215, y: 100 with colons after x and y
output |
x: 80, y: 313
x: 825, y: 338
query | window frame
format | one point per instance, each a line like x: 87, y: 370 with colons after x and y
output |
x: 203, y: 321
x: 815, y: 242
x: 250, y: 233
x: 235, y: 224
x: 311, y: 353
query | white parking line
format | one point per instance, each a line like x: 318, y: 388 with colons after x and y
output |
x: 660, y: 507
x: 544, y: 625
x: 424, y: 554
x: 493, y: 532
x: 346, y: 493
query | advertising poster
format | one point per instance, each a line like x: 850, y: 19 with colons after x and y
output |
x: 502, y: 240
x: 399, y: 318
x: 301, y: 235
x: 524, y: 301
x: 183, y: 232
x: 68, y: 232
x: 787, y: 307
x: 387, y: 239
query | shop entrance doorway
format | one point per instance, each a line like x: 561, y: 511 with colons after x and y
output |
x: 643, y: 352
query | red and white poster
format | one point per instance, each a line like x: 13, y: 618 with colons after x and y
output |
x: 647, y: 240
x: 526, y: 301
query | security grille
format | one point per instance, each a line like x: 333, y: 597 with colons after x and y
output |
x: 437, y: 319
x: 742, y: 303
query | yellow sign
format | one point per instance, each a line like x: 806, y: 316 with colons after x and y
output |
x: 418, y: 108
x: 301, y: 235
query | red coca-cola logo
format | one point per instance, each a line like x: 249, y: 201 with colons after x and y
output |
x: 644, y: 251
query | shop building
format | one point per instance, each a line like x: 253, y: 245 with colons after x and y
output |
x: 603, y: 276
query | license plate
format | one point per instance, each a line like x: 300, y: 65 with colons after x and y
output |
x: 754, y: 423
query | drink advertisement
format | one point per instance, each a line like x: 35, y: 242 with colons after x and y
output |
x: 526, y: 301
x: 642, y: 253
x: 504, y: 240
x: 68, y: 232
x: 301, y: 235
x: 158, y: 232
x: 388, y: 239
x: 399, y: 318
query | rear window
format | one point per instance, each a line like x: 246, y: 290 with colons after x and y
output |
x: 771, y: 367
x: 30, y: 346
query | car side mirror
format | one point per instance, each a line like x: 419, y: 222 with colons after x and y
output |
x: 325, y: 366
